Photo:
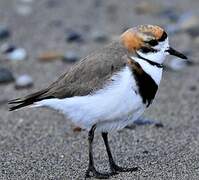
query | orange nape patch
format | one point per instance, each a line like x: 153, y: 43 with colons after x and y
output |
x: 136, y: 37
x: 131, y: 40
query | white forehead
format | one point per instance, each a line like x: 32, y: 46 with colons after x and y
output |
x: 162, y: 46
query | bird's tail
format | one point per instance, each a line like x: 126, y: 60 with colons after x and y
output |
x: 27, y: 100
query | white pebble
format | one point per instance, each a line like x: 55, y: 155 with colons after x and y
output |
x: 17, y: 55
x: 24, y: 81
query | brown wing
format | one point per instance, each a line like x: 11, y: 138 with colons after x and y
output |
x: 86, y: 76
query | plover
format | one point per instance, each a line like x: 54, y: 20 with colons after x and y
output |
x: 110, y: 88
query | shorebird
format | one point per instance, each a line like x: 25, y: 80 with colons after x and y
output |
x: 110, y: 88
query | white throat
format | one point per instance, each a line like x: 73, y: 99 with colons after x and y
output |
x: 152, y: 70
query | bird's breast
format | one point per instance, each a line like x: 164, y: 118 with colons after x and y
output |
x: 147, y: 86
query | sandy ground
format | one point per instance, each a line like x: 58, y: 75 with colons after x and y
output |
x: 41, y: 144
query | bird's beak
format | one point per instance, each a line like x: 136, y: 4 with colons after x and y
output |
x: 173, y: 52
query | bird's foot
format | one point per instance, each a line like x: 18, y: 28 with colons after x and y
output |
x: 115, y: 168
x: 92, y: 172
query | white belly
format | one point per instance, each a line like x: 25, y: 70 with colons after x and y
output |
x: 111, y: 108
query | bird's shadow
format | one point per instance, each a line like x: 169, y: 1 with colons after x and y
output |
x: 142, y: 121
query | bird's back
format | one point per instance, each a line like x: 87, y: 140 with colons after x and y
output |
x: 87, y: 76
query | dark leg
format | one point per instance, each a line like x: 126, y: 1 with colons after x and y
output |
x: 91, y: 168
x: 114, y: 168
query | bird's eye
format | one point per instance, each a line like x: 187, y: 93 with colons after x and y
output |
x: 144, y: 49
x: 153, y: 42
x: 147, y: 49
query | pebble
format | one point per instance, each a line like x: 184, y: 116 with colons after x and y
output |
x: 4, y: 32
x: 99, y: 36
x: 23, y: 81
x: 17, y: 55
x: 6, y: 76
x: 77, y: 129
x: 50, y: 56
x: 145, y: 152
x: 159, y: 125
x: 74, y: 36
x: 177, y: 64
x: 62, y: 156
x: 7, y: 48
x: 71, y: 56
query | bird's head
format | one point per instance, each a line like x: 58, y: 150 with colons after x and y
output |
x: 149, y: 42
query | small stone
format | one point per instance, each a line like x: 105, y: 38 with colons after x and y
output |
x: 62, y: 156
x: 50, y: 56
x: 23, y: 81
x: 145, y: 152
x: 77, y: 129
x: 74, y: 36
x: 177, y: 64
x: 4, y: 32
x: 5, y: 76
x: 17, y: 55
x: 7, y: 48
x: 159, y: 125
x: 71, y: 56
x: 99, y: 36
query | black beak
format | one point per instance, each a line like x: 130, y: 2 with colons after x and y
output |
x: 173, y: 52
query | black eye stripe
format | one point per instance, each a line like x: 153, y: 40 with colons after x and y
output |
x: 163, y: 37
x: 147, y: 50
x: 153, y: 42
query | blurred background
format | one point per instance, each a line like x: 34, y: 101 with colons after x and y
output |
x: 41, y: 39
